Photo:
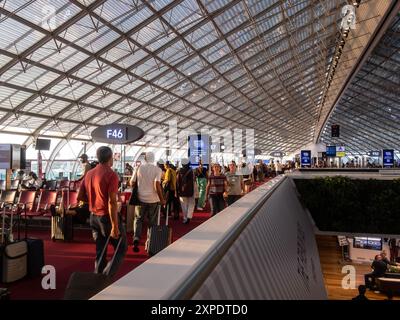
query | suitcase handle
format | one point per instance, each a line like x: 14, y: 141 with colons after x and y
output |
x: 159, y: 216
x: 3, y: 224
x: 105, y: 249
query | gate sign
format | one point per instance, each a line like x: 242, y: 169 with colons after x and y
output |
x: 305, y: 158
x: 277, y: 154
x: 375, y: 153
x: 117, y: 133
x: 388, y: 157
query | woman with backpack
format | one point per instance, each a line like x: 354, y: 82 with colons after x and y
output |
x: 185, y: 190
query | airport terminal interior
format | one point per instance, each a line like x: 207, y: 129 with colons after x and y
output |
x: 200, y: 149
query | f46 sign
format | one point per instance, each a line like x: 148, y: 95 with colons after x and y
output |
x: 115, y: 134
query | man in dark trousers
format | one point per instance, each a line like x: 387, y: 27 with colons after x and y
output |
x: 99, y: 188
x: 379, y: 268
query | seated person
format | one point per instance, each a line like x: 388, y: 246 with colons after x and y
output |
x: 34, y: 182
x: 379, y: 268
x: 384, y: 258
x: 387, y: 261
x: 361, y: 293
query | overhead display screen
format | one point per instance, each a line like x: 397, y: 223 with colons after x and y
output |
x: 305, y: 158
x: 5, y: 156
x: 374, y: 153
x: 388, y: 157
x: 331, y: 151
x: 368, y: 243
x: 199, y: 148
x: 335, y: 131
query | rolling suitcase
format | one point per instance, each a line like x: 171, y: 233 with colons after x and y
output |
x: 35, y: 257
x: 13, y: 257
x: 159, y: 236
x: 84, y: 285
x: 14, y: 261
x: 62, y: 227
x: 61, y: 223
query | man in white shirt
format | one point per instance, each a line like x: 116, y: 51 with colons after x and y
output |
x: 150, y: 195
x: 278, y: 167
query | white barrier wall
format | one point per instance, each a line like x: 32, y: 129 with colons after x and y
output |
x: 275, y: 257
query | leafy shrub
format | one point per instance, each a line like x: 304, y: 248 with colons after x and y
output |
x: 351, y: 205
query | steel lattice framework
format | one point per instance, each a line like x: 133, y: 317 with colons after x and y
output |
x: 67, y: 66
x: 369, y: 111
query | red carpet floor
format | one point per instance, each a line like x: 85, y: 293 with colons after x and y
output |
x: 68, y: 257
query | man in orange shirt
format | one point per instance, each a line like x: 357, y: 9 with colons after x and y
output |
x: 99, y: 188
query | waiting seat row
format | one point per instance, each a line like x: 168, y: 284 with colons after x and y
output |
x: 49, y: 184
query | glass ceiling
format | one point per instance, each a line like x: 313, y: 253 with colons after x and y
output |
x: 369, y: 111
x: 67, y: 66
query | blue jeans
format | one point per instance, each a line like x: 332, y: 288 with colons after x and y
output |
x: 101, y: 229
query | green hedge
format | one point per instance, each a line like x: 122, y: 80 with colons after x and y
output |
x: 348, y: 205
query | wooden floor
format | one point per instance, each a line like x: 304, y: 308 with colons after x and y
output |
x: 330, y: 257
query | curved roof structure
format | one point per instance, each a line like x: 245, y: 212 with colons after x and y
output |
x: 369, y: 110
x: 67, y: 66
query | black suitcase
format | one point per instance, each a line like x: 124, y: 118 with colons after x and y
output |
x: 35, y: 257
x: 84, y: 285
x: 159, y: 236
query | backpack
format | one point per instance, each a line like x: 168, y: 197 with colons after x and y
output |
x: 93, y: 164
x: 185, y: 183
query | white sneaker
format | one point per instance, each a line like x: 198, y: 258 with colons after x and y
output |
x: 200, y: 209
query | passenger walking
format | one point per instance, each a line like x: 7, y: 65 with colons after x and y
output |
x: 201, y: 179
x: 235, y: 184
x: 278, y: 168
x: 85, y: 165
x: 185, y: 190
x: 260, y: 171
x: 99, y: 189
x: 169, y: 187
x: 150, y: 196
x: 215, y: 189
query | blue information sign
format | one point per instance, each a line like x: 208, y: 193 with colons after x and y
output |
x: 388, y: 157
x: 305, y: 158
x: 199, y: 148
x: 331, y: 151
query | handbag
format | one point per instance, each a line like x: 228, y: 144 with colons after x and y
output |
x: 134, y: 199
